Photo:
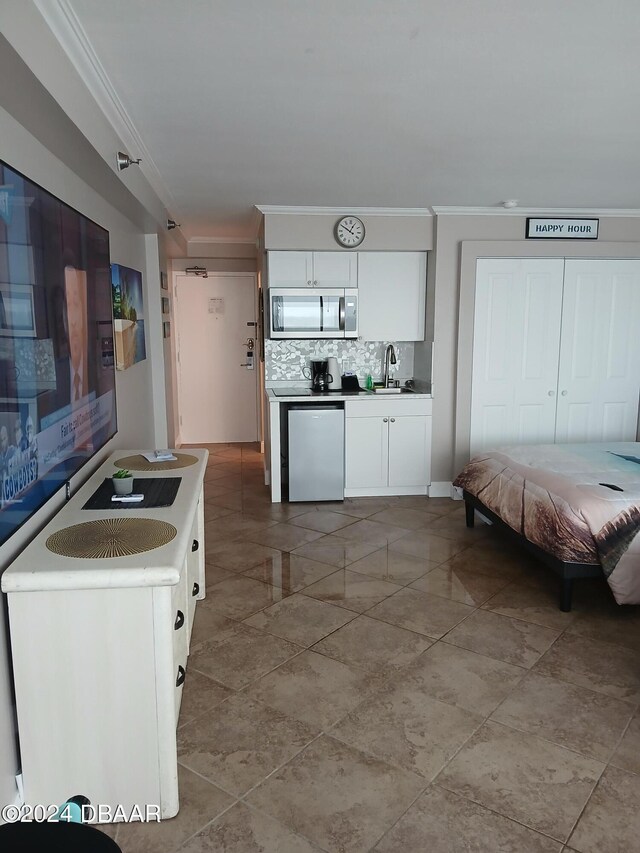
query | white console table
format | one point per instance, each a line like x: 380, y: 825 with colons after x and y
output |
x: 100, y: 649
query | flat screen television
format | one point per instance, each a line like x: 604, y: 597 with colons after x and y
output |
x: 57, y: 373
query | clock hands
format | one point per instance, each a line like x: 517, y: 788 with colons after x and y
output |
x: 350, y: 230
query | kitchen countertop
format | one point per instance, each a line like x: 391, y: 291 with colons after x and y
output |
x: 297, y: 395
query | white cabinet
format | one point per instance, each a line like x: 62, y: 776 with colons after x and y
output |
x: 556, y: 351
x: 313, y: 269
x: 387, y: 447
x: 392, y: 290
x: 100, y: 651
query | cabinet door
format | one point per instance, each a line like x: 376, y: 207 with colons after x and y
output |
x: 290, y: 269
x: 367, y: 452
x: 409, y: 451
x: 599, y: 374
x: 335, y: 269
x: 516, y: 342
x: 392, y: 288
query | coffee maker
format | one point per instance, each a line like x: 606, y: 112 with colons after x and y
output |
x: 320, y: 377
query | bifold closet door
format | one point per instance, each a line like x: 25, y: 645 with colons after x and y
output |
x: 518, y: 306
x: 599, y: 372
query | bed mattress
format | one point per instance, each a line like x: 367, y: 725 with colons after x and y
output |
x: 578, y: 502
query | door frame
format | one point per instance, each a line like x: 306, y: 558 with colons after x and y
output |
x: 463, y: 353
x: 176, y: 323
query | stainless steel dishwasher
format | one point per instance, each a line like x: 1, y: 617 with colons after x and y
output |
x: 316, y: 453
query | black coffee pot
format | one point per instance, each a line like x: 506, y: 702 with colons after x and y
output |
x: 318, y: 375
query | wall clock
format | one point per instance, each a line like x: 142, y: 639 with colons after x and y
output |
x: 349, y: 231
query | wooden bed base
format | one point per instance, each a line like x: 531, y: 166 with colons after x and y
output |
x: 567, y: 572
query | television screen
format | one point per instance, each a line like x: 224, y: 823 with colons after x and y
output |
x: 57, y: 374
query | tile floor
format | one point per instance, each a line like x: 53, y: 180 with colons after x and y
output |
x: 371, y: 675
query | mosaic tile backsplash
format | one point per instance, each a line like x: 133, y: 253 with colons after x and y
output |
x: 284, y: 360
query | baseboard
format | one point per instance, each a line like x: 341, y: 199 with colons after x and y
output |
x: 385, y: 491
x: 440, y: 489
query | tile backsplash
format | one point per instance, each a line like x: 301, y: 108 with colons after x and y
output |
x: 284, y: 360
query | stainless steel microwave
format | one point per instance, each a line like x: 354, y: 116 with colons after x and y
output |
x: 317, y: 313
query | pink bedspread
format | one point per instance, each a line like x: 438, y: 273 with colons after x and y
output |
x: 559, y: 497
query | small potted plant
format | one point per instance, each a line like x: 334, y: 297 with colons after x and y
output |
x: 123, y: 482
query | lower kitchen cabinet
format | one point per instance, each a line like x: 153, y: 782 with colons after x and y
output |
x: 388, y: 447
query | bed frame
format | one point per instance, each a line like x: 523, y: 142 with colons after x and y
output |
x: 567, y: 572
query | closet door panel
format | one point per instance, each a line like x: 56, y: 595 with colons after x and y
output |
x: 599, y: 371
x: 515, y: 354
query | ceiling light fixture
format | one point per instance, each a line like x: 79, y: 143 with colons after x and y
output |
x: 202, y: 271
x: 171, y: 224
x: 123, y: 161
x: 510, y: 202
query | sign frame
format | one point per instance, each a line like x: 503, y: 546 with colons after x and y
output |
x: 562, y: 228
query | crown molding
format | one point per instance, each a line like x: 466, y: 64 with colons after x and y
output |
x: 342, y: 211
x: 535, y: 211
x: 246, y: 241
x: 72, y: 37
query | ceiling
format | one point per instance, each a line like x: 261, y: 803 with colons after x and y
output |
x: 371, y: 103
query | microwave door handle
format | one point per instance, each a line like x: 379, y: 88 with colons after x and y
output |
x: 342, y: 314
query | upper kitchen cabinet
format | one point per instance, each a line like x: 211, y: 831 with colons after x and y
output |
x: 392, y: 290
x: 313, y: 269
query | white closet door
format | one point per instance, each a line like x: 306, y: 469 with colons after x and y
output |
x: 515, y: 351
x: 599, y: 374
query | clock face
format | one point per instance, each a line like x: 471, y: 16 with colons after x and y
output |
x: 349, y: 231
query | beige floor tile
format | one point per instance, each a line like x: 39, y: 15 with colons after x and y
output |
x: 280, y: 512
x: 453, y: 526
x: 361, y: 507
x: 300, y: 619
x: 373, y: 646
x: 214, y: 574
x: 570, y: 716
x: 524, y: 778
x: 228, y: 499
x: 607, y: 622
x: 200, y: 803
x: 238, y: 556
x: 404, y: 516
x: 403, y: 726
x: 602, y: 667
x: 313, y: 688
x: 352, y: 590
x: 245, y: 830
x: 627, y: 755
x: 239, y: 596
x: 391, y: 566
x: 420, y: 612
x: 290, y: 571
x: 208, y: 622
x: 459, y: 585
x: 502, y: 638
x: 239, y: 655
x: 538, y: 604
x: 335, y: 551
x: 496, y: 561
x: 199, y: 694
x: 286, y: 537
x: 211, y: 511
x: 371, y: 532
x: 324, y: 521
x: 238, y: 743
x: 235, y: 526
x: 364, y: 798
x: 611, y: 821
x: 462, y: 678
x: 427, y: 546
x: 233, y: 482
x: 442, y: 822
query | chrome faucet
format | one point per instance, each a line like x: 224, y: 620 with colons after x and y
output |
x: 389, y: 358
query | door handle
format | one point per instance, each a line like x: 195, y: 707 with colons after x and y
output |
x: 342, y: 314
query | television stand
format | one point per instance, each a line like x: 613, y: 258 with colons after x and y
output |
x: 100, y: 647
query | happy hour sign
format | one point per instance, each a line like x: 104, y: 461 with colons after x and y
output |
x: 565, y: 229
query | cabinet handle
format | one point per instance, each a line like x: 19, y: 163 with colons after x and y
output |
x: 179, y: 621
x: 393, y: 420
x: 196, y: 589
x: 564, y: 393
x: 180, y: 678
x: 315, y: 283
x: 551, y: 393
x: 195, y: 544
x: 309, y: 283
x: 385, y: 420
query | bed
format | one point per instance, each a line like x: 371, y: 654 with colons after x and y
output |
x: 575, y: 506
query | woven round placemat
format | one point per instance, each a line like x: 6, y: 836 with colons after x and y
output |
x: 139, y: 463
x: 111, y: 537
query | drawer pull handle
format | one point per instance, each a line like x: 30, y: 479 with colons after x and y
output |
x: 195, y: 545
x: 180, y: 678
x: 196, y: 589
x: 385, y: 420
x: 393, y: 420
x: 179, y: 620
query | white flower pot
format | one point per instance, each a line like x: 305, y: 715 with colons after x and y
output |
x: 122, y: 485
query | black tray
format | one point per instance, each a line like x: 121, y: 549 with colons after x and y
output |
x: 157, y: 491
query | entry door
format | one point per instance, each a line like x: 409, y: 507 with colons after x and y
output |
x: 515, y: 351
x: 217, y: 394
x: 599, y: 374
